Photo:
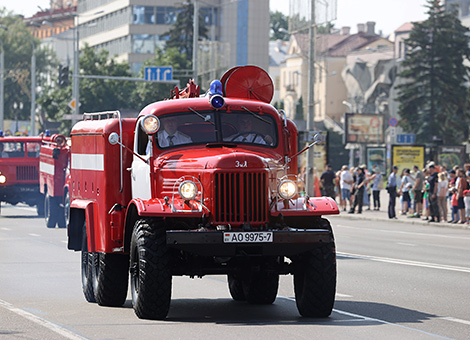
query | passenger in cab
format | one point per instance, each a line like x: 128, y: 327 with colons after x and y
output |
x: 245, y: 132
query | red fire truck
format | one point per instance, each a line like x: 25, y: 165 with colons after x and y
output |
x: 19, y: 170
x: 54, y: 161
x: 198, y: 185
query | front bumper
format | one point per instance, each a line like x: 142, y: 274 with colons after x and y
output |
x: 285, y: 243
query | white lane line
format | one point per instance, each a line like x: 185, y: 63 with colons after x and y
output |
x: 406, y: 262
x: 343, y: 295
x: 35, y: 235
x: 42, y: 322
x: 5, y: 228
x: 448, y: 318
x: 366, y: 318
x: 406, y: 244
x: 404, y: 232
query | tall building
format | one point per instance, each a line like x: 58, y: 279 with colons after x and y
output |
x: 133, y: 29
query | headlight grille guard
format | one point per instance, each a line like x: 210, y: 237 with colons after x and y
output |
x: 179, y: 204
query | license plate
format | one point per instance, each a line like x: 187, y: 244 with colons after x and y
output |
x: 248, y: 237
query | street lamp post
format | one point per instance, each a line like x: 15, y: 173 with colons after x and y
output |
x: 2, y: 71
x: 195, y: 39
x: 33, y: 88
x: 310, y: 181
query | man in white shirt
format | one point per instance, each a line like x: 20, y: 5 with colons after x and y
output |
x: 345, y: 184
x: 245, y: 132
x: 170, y: 135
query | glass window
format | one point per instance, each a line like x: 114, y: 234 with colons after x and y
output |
x: 33, y: 149
x: 244, y: 127
x: 12, y: 150
x: 143, y: 43
x: 166, y: 15
x: 186, y: 128
x: 144, y: 15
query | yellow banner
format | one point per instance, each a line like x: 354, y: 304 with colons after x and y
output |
x: 407, y: 156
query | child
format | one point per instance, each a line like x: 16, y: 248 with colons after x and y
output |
x: 455, y: 206
x: 466, y: 200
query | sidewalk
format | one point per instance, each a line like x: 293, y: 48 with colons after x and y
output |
x: 382, y: 215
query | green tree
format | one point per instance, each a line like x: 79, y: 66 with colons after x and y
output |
x: 279, y: 26
x: 433, y: 97
x: 180, y: 34
x: 18, y: 46
x: 95, y: 94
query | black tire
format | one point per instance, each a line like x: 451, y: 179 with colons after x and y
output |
x: 261, y: 288
x: 315, y: 281
x: 66, y: 209
x: 235, y: 286
x: 110, y: 279
x: 150, y: 270
x: 60, y: 213
x: 49, y: 211
x: 87, y: 266
x: 40, y: 206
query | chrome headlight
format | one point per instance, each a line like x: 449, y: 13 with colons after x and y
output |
x: 188, y: 190
x: 150, y: 124
x: 3, y: 179
x: 287, y: 189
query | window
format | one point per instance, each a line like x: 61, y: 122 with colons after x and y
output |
x: 144, y: 15
x: 166, y: 15
x: 143, y: 43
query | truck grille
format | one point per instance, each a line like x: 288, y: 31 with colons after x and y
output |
x: 27, y: 173
x: 240, y: 197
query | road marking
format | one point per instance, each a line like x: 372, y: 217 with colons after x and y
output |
x: 366, y: 318
x: 42, y: 322
x: 406, y: 232
x: 35, y: 235
x: 406, y: 244
x: 448, y: 318
x: 4, y: 228
x: 406, y: 262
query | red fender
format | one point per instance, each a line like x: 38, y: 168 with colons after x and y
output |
x: 89, y: 207
x: 159, y: 208
x: 297, y: 207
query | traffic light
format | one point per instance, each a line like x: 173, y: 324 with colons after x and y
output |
x: 63, y: 76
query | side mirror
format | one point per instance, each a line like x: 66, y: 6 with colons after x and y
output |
x: 317, y: 139
x: 113, y: 138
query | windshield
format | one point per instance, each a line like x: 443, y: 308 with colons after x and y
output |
x: 240, y: 127
x: 17, y: 149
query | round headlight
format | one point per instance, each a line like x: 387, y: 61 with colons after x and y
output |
x: 3, y: 179
x: 150, y: 124
x: 287, y: 189
x: 187, y: 190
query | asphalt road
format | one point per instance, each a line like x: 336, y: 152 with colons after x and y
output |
x: 395, y: 281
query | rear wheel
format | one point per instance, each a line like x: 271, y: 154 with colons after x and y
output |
x: 66, y: 208
x: 261, y: 288
x: 150, y: 270
x: 235, y: 287
x: 87, y: 266
x: 110, y: 279
x: 49, y: 213
x: 40, y: 206
x: 315, y: 281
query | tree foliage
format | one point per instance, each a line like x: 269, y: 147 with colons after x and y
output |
x: 433, y: 97
x: 18, y: 45
x: 279, y: 26
x: 95, y: 94
x: 181, y: 34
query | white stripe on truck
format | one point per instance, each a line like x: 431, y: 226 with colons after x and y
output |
x: 47, y: 168
x: 81, y: 161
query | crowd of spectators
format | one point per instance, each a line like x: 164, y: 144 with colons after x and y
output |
x: 434, y: 193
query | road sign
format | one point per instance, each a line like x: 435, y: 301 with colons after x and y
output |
x: 393, y: 131
x: 159, y: 73
x: 406, y: 138
x: 72, y: 104
x: 393, y: 122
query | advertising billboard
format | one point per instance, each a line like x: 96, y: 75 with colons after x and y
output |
x: 449, y: 156
x: 376, y: 157
x: 408, y: 156
x: 364, y: 128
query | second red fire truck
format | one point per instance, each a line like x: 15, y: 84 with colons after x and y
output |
x: 198, y: 185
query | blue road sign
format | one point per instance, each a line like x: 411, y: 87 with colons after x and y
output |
x: 406, y: 138
x: 159, y: 73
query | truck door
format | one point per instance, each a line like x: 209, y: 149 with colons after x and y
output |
x: 140, y: 170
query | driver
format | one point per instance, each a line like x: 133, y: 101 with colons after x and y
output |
x: 245, y: 132
x: 170, y: 135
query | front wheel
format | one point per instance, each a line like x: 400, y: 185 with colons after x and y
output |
x: 235, y: 287
x: 261, y: 288
x: 150, y: 270
x: 49, y: 211
x: 315, y: 281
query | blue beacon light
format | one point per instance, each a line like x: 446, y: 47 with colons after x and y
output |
x: 215, y: 94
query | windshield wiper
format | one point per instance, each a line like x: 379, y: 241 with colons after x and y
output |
x: 207, y: 118
x: 256, y: 115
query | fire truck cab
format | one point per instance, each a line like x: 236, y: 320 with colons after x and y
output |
x: 54, y: 169
x: 19, y: 170
x: 198, y: 185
